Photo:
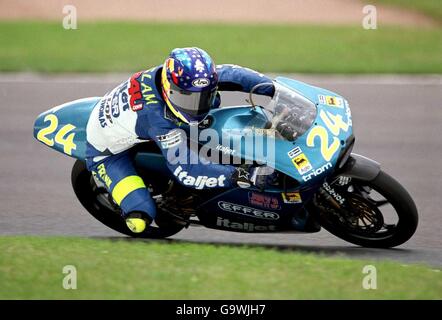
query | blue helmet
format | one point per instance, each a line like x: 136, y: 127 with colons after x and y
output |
x: 189, y: 82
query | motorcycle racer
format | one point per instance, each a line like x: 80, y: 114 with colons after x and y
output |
x: 153, y: 105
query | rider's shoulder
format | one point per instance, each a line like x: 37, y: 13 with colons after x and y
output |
x: 226, y: 70
x: 146, y: 74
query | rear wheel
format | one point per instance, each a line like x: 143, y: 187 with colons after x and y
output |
x: 379, y: 213
x: 97, y: 201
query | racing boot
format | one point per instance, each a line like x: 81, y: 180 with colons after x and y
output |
x: 137, y: 221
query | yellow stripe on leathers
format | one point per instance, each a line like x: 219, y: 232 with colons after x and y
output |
x: 126, y: 186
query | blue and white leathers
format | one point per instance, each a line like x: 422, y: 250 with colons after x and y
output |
x: 135, y: 112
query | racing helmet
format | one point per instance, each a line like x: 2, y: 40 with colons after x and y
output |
x: 189, y: 83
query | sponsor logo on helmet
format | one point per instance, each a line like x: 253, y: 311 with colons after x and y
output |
x: 247, y: 211
x: 201, y: 82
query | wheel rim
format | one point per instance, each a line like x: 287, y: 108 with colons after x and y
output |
x: 363, y: 214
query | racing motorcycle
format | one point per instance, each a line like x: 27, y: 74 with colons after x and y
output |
x: 319, y: 181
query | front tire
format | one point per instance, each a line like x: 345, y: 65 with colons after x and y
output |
x: 373, y: 231
x: 97, y: 202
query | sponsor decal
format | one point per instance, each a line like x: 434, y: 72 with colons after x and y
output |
x: 140, y: 91
x: 348, y: 113
x: 137, y: 107
x: 131, y: 95
x: 103, y: 175
x: 101, y: 117
x: 264, y: 201
x: 317, y: 172
x: 333, y: 193
x: 124, y: 97
x: 104, y: 112
x: 343, y: 180
x: 291, y: 197
x: 264, y: 132
x: 135, y: 93
x: 128, y: 140
x: 171, y: 139
x: 300, y: 160
x: 294, y: 152
x: 198, y: 182
x: 247, y: 211
x: 302, y: 164
x: 112, y: 104
x: 201, y: 82
x: 331, y: 101
x: 146, y: 90
x: 246, y: 226
x: 115, y: 108
x: 225, y: 150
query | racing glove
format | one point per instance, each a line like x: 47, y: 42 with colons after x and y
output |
x: 246, y: 175
x: 241, y: 176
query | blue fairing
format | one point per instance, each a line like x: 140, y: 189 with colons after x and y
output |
x: 325, y: 138
x: 73, y: 116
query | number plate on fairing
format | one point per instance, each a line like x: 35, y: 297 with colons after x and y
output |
x: 63, y: 128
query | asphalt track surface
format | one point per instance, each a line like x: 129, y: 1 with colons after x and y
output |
x: 397, y: 121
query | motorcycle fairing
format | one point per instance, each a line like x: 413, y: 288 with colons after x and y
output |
x: 252, y: 210
x: 63, y: 127
x: 325, y: 137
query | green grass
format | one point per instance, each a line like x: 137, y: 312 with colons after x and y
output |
x: 31, y: 268
x: 432, y: 8
x: 97, y: 47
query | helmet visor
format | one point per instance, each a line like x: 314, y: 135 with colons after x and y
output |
x: 193, y: 103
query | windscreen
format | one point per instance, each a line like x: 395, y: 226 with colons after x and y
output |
x: 290, y: 113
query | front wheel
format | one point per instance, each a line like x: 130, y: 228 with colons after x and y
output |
x: 378, y: 213
x: 97, y: 201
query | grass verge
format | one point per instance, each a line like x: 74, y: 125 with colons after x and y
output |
x: 31, y: 268
x: 98, y: 47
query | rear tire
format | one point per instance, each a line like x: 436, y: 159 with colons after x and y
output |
x: 398, y: 198
x: 108, y: 213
